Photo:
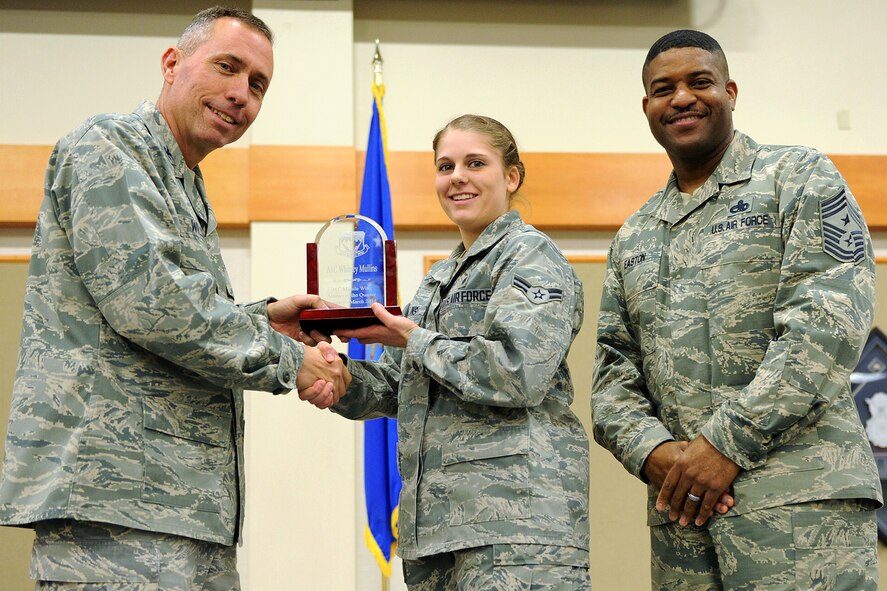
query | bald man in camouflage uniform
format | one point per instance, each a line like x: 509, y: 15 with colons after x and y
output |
x: 125, y: 444
x: 735, y: 306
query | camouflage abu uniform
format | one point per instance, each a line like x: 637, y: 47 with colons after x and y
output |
x: 489, y: 450
x: 739, y: 314
x: 128, y: 398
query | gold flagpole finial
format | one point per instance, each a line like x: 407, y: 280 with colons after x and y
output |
x: 377, y: 66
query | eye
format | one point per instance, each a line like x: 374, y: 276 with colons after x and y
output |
x: 661, y: 91
x: 476, y: 163
x: 444, y: 167
x: 702, y: 83
x: 226, y: 66
x: 258, y: 88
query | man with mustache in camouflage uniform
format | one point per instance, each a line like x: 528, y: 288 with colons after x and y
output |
x: 736, y: 303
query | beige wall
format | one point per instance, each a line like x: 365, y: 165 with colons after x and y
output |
x: 564, y: 75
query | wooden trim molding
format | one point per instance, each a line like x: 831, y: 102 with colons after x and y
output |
x: 563, y: 190
x: 15, y: 258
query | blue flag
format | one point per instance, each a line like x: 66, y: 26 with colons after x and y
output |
x: 382, y: 481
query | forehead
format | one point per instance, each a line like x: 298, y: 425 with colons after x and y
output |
x: 680, y: 62
x: 230, y: 36
x: 458, y: 142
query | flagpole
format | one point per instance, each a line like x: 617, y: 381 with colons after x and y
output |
x: 377, y: 84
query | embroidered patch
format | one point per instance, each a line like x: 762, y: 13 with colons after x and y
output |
x: 739, y: 206
x: 536, y: 293
x: 842, y: 235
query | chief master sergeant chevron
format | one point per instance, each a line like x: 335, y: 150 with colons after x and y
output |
x: 125, y: 445
x: 734, y: 308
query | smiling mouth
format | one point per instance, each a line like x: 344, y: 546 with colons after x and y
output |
x: 463, y: 196
x: 224, y: 117
x: 684, y: 118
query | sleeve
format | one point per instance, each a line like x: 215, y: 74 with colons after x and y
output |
x: 623, y: 417
x: 123, y: 230
x: 823, y: 311
x: 372, y: 393
x: 530, y: 320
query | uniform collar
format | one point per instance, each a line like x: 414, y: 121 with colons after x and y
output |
x: 492, y: 234
x: 734, y: 167
x: 192, y: 180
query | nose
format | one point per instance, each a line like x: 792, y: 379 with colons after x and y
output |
x: 458, y: 175
x: 237, y: 91
x: 682, y: 97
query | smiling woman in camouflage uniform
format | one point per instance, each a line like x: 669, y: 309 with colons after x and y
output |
x: 494, y: 462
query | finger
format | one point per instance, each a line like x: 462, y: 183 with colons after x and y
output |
x: 692, y: 504
x: 329, y: 353
x: 304, y: 338
x: 312, y: 391
x: 707, y: 507
x: 665, y: 493
x: 678, y: 505
x: 319, y: 337
x: 382, y: 314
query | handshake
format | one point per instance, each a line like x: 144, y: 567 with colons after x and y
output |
x: 323, y: 377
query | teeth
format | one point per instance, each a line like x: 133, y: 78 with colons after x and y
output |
x: 223, y: 116
x: 462, y: 196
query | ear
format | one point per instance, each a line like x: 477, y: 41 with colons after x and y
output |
x: 644, y: 102
x: 513, y: 178
x: 732, y: 91
x: 168, y: 62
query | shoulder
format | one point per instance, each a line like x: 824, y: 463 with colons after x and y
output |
x: 121, y: 129
x: 525, y: 241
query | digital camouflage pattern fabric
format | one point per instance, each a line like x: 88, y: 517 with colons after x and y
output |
x: 738, y: 315
x: 128, y: 399
x: 78, y: 556
x: 489, y: 449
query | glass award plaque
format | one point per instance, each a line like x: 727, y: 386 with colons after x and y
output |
x: 351, y: 264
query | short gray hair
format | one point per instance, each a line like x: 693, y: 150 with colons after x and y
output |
x: 197, y: 31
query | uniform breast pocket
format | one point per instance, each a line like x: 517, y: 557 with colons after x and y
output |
x: 640, y: 281
x: 487, y: 476
x: 741, y: 273
x: 188, y: 453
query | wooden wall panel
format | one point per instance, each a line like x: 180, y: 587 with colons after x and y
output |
x: 21, y: 183
x: 573, y: 191
x: 301, y: 183
x: 867, y: 178
x: 226, y: 175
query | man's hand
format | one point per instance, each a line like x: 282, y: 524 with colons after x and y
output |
x: 662, y: 459
x: 699, y: 470
x: 284, y: 316
x: 394, y: 331
x: 323, y: 378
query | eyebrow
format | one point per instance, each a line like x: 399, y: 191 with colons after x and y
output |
x: 445, y: 157
x: 694, y: 74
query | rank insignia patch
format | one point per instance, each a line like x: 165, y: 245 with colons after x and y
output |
x: 536, y: 293
x: 842, y: 235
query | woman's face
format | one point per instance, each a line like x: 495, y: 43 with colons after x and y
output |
x: 472, y: 184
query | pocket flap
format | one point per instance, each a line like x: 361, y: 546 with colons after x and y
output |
x: 471, y: 444
x: 186, y: 422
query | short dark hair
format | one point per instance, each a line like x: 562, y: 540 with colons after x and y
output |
x: 686, y: 38
x: 198, y: 29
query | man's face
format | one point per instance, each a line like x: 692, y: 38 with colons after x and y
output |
x: 213, y: 94
x: 689, y: 103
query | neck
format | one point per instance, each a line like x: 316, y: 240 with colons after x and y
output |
x: 468, y: 238
x: 692, y: 172
x: 191, y: 160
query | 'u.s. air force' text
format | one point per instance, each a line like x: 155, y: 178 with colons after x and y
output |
x: 749, y: 221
